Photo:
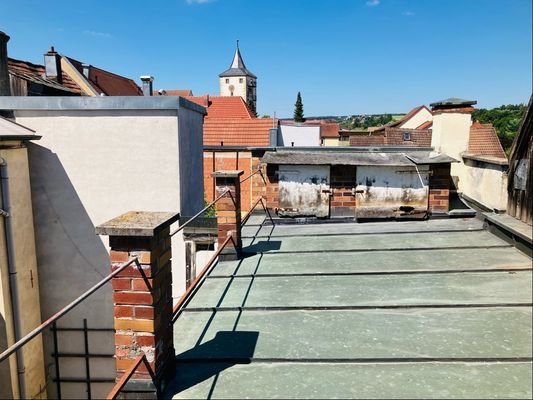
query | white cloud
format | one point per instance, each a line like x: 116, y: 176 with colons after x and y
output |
x: 408, y: 13
x: 97, y: 34
x: 198, y: 1
x: 373, y: 3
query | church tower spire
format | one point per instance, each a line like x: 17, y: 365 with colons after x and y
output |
x: 239, y: 81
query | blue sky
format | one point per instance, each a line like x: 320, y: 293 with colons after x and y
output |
x: 345, y: 56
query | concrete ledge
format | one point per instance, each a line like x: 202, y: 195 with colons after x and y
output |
x: 44, y: 103
x: 137, y: 223
x: 516, y: 232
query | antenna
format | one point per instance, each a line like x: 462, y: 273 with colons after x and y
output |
x: 274, y: 120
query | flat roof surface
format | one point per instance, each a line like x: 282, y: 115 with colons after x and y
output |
x: 410, y: 309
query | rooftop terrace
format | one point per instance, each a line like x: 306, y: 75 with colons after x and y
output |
x: 428, y: 309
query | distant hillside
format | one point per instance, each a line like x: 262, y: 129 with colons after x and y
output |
x: 361, y: 121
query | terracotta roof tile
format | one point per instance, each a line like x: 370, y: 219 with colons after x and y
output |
x: 367, y: 140
x: 29, y: 71
x: 484, y: 141
x: 418, y: 137
x: 237, y: 132
x: 107, y: 82
x: 223, y: 106
x: 425, y: 125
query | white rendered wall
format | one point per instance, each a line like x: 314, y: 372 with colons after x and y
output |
x: 301, y: 135
x: 423, y: 115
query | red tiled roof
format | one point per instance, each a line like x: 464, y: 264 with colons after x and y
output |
x: 27, y: 70
x: 418, y: 137
x: 484, y: 141
x: 237, y: 132
x: 425, y: 125
x: 367, y: 140
x: 174, y: 92
x: 223, y: 106
x: 329, y: 130
x: 107, y: 82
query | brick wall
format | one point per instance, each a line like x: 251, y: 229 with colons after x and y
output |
x: 342, y: 201
x: 439, y: 188
x: 272, y: 186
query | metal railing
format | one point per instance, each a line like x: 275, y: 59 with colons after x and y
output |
x: 177, y: 308
x: 29, y: 336
x: 126, y: 376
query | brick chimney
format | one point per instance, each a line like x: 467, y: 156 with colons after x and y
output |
x: 52, y: 65
x: 148, y: 89
x: 5, y: 89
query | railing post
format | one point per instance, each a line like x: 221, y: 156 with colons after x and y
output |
x: 228, y: 210
x: 142, y: 297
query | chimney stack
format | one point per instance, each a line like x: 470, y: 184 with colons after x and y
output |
x: 5, y: 89
x: 147, y: 88
x: 86, y: 69
x: 52, y: 65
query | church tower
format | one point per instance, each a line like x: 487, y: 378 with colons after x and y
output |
x: 239, y: 81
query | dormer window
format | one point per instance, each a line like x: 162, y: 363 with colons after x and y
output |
x: 407, y: 136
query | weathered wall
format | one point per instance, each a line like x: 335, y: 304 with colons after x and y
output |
x: 391, y: 191
x: 27, y: 277
x: 439, y: 188
x: 89, y: 167
x: 300, y: 135
x: 485, y: 183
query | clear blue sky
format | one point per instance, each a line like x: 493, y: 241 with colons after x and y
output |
x: 345, y: 56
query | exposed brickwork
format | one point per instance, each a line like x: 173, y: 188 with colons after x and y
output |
x: 143, y: 302
x: 228, y: 210
x: 418, y: 137
x: 439, y: 188
x: 272, y: 187
x: 342, y: 201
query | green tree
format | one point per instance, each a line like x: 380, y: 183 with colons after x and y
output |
x: 299, y: 109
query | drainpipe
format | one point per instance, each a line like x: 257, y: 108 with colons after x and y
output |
x: 12, y: 270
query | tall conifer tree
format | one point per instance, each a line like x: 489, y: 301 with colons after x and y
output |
x: 299, y: 109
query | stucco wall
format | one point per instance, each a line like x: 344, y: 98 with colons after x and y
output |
x: 239, y: 88
x: 27, y: 278
x: 418, y: 119
x: 485, y: 183
x: 89, y: 167
x: 301, y: 135
x: 331, y: 142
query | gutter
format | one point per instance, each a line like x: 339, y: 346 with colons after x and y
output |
x: 12, y: 271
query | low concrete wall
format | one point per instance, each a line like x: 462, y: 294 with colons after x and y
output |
x: 484, y: 181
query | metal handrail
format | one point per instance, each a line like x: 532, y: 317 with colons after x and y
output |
x: 10, y: 350
x: 258, y: 171
x: 113, y: 394
x: 201, y: 212
x: 194, y: 285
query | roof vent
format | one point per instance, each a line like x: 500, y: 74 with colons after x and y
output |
x: 147, y: 81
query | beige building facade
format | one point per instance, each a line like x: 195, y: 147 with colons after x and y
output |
x: 19, y: 275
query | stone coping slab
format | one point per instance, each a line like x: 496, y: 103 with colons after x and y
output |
x: 137, y: 223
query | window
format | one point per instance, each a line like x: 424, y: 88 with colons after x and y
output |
x: 227, y: 80
x: 240, y: 80
x: 406, y: 136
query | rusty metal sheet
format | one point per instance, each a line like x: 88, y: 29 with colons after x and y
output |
x: 304, y: 190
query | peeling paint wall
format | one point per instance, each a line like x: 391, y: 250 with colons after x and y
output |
x: 304, y: 190
x: 391, y: 191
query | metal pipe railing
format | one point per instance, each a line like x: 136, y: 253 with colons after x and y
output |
x: 258, y: 171
x: 201, y: 212
x: 115, y: 392
x: 29, y: 336
x: 194, y: 285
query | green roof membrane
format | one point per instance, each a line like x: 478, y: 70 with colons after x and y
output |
x: 375, y: 262
x: 385, y: 310
x: 372, y: 242
x: 366, y: 290
x: 354, y: 381
x: 363, y: 334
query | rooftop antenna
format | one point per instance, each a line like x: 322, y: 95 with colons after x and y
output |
x: 274, y: 120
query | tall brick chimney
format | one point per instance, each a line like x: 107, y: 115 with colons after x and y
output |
x: 5, y: 89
